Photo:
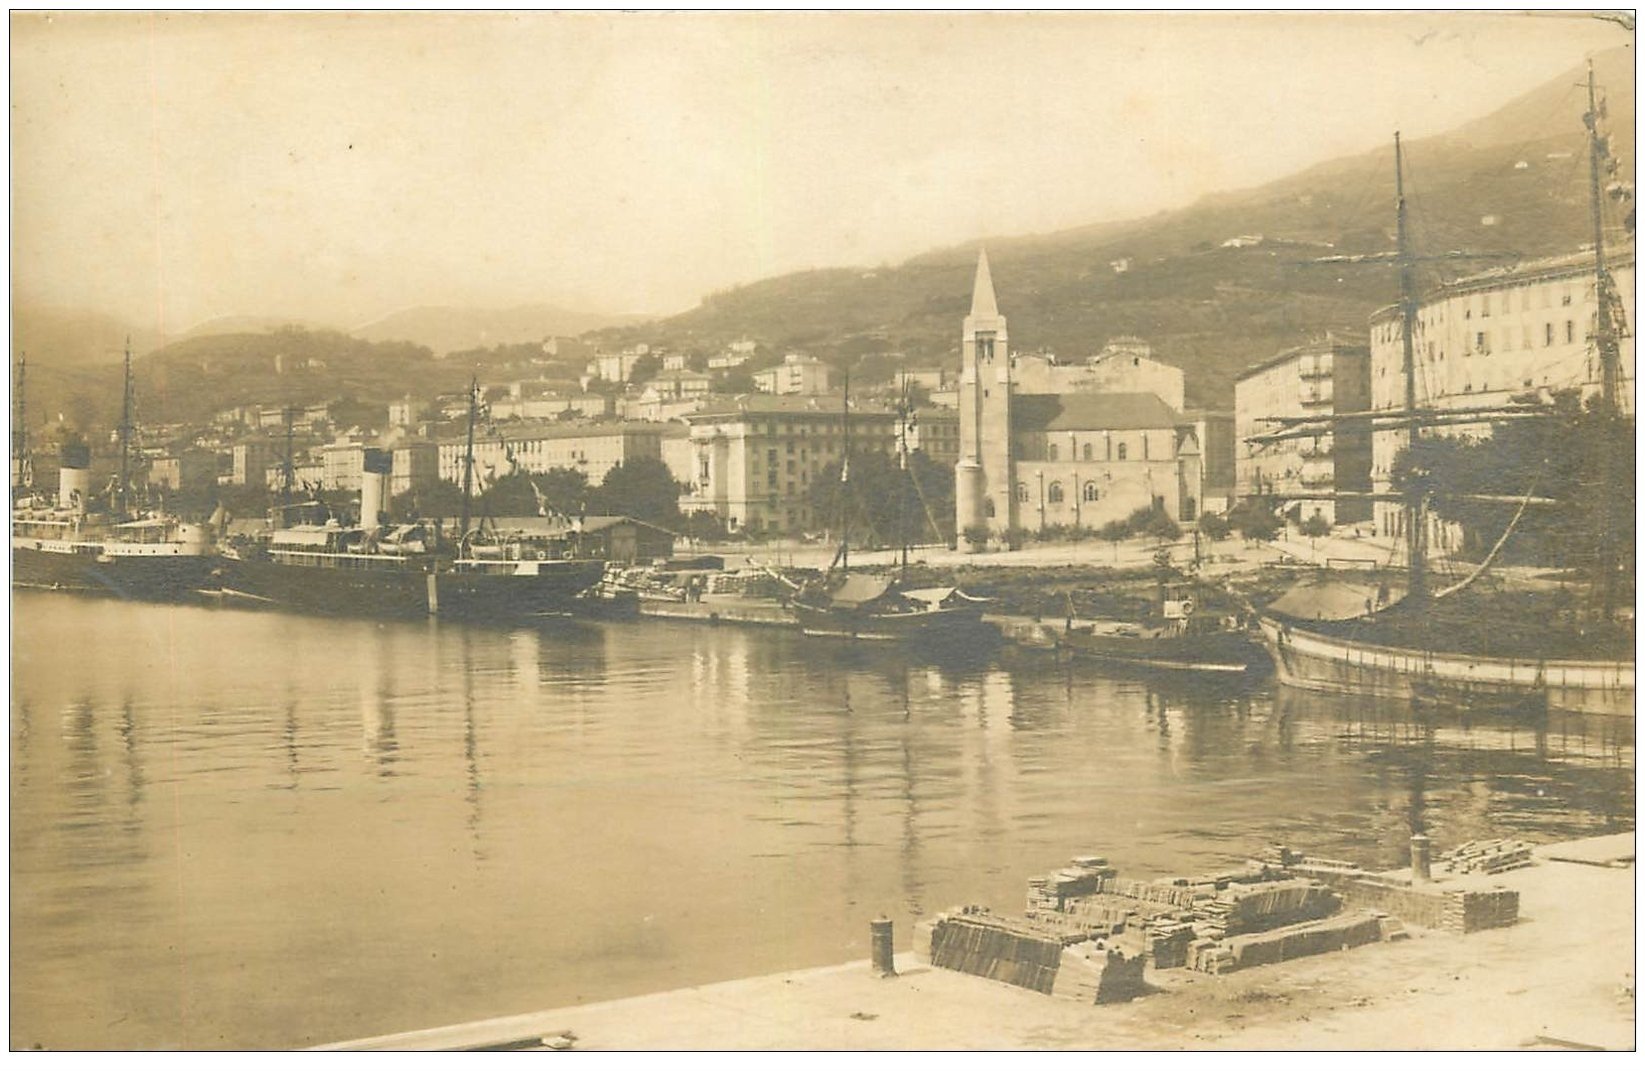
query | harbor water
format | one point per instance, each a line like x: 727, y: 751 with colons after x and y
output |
x: 252, y: 829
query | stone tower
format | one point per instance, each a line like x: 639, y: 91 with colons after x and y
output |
x: 983, y: 476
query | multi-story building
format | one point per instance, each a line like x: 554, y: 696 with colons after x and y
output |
x: 185, y: 470
x: 1069, y: 455
x: 251, y: 462
x: 617, y: 367
x: 1321, y: 380
x: 798, y: 374
x: 343, y: 465
x: 753, y: 458
x: 1485, y: 339
x: 936, y: 433
x: 415, y: 465
x: 592, y: 449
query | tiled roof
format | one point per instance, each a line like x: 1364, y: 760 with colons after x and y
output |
x: 1091, y: 412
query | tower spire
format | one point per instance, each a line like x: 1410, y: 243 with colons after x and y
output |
x: 982, y: 291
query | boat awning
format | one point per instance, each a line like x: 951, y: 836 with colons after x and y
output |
x: 859, y: 589
x: 1336, y: 599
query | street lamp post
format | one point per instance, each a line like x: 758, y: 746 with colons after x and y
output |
x: 1040, y: 473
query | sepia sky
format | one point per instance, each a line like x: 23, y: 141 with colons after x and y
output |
x: 337, y: 167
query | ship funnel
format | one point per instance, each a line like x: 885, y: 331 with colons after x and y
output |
x: 74, y: 477
x: 374, y: 487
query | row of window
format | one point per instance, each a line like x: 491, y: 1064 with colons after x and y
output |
x: 1054, y: 492
x: 1503, y: 302
x: 1115, y: 451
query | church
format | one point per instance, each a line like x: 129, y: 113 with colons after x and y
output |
x: 1080, y: 446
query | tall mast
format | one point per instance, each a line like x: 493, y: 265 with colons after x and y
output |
x: 1606, y: 342
x: 21, y: 439
x: 902, y: 463
x: 468, y: 458
x: 845, y: 475
x: 124, y: 487
x: 288, y: 470
x: 1416, y: 523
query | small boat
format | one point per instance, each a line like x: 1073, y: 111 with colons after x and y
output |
x: 880, y: 609
x: 509, y: 576
x: 1179, y: 635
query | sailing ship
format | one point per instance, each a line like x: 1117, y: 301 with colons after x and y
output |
x: 884, y: 609
x: 1368, y: 639
x: 72, y: 542
x: 311, y: 560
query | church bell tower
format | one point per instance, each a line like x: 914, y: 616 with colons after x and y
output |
x: 983, y: 478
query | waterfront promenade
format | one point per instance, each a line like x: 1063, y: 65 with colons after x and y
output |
x: 1561, y: 978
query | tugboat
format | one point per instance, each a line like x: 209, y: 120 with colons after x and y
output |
x: 1180, y: 634
x: 65, y: 544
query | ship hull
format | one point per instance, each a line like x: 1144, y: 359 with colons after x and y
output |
x: 540, y: 589
x: 942, y: 627
x: 1317, y: 662
x: 348, y: 592
x: 157, y: 573
x: 1227, y: 653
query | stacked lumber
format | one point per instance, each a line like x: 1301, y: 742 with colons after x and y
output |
x: 1486, y: 857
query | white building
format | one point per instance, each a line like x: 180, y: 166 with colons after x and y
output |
x: 798, y: 374
x: 1487, y: 338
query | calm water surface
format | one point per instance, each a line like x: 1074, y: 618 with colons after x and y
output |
x: 251, y: 829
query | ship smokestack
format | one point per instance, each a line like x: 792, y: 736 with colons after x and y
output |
x: 374, y: 487
x: 74, y: 477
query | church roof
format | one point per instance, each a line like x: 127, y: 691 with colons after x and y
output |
x: 1090, y: 412
x: 982, y: 290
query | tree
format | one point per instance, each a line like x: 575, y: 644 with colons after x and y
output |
x: 1578, y: 453
x: 886, y: 503
x: 643, y: 489
x: 1254, y: 519
x: 433, y: 501
x: 1214, y: 527
x: 1115, y: 532
x: 1315, y: 526
x: 522, y: 494
x: 646, y: 367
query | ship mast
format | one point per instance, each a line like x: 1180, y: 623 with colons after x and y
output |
x: 1416, y: 523
x: 844, y: 556
x: 902, y: 483
x: 124, y: 487
x: 1605, y: 340
x: 468, y: 459
x: 21, y: 439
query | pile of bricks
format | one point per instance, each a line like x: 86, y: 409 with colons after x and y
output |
x: 1487, y: 857
x: 1340, y: 932
x: 1466, y: 912
x: 1098, y: 973
x: 1018, y: 952
x: 1249, y: 908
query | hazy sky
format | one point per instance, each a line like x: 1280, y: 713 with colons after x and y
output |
x: 337, y: 167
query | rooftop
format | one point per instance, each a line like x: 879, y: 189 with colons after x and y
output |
x: 1091, y: 412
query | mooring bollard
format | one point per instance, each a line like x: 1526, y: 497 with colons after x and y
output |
x: 1421, y: 858
x: 879, y: 934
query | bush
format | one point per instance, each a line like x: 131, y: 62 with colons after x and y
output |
x: 1255, y: 520
x: 1214, y: 526
x: 1315, y: 526
x: 976, y: 535
x: 1161, y: 527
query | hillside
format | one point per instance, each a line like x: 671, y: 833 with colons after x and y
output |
x: 1209, y: 309
x: 446, y: 329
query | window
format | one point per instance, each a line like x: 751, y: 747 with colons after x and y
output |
x: 1090, y: 491
x: 1565, y: 296
x: 988, y: 507
x: 1085, y: 451
x: 1485, y: 306
x: 1547, y: 334
x: 1122, y: 451
x: 1570, y: 326
x: 1054, y: 492
x: 1050, y: 451
x: 1022, y: 492
x: 1145, y: 446
x: 1480, y: 344
x: 702, y: 469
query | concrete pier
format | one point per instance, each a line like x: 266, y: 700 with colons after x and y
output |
x: 1559, y: 979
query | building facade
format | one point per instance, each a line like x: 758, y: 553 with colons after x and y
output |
x: 754, y: 458
x: 416, y: 465
x: 1487, y: 338
x: 1324, y: 379
x: 798, y: 374
x: 592, y: 449
x: 1072, y: 455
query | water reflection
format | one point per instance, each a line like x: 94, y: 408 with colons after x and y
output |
x: 211, y: 850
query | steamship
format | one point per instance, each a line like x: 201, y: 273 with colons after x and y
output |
x: 311, y: 560
x: 60, y: 545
